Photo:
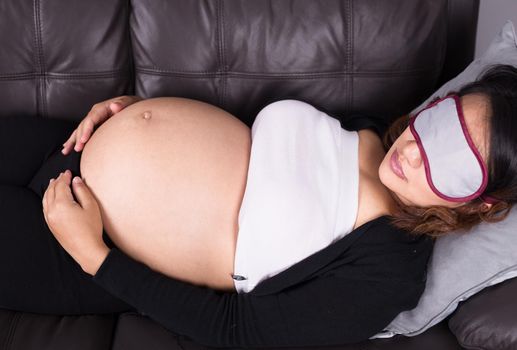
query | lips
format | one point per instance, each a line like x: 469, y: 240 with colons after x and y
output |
x: 395, y: 165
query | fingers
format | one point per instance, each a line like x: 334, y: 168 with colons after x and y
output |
x: 48, y: 196
x: 68, y: 143
x: 121, y: 102
x: 62, y: 187
x: 59, y: 189
x: 115, y: 107
x: 45, y: 203
x: 99, y: 113
x: 83, y: 194
x: 126, y: 100
x: 85, y: 129
x: 84, y: 132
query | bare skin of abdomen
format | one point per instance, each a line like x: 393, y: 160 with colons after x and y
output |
x: 169, y: 175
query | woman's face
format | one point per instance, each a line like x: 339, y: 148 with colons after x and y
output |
x: 414, y: 189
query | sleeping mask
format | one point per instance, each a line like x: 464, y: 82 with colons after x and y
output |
x: 454, y: 167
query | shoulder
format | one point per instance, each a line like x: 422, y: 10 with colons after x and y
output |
x: 361, y: 121
x: 396, y: 251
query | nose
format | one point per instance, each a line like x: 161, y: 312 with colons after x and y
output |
x: 411, y: 152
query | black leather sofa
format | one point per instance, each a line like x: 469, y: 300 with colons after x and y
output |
x: 59, y: 57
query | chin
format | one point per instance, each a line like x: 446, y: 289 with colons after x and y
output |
x: 391, y: 181
x: 385, y: 174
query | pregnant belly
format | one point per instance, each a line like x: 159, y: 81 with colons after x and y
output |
x: 169, y: 175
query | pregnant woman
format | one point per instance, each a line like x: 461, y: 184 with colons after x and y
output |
x: 298, y: 232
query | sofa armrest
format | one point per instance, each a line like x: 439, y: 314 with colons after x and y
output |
x: 487, y: 320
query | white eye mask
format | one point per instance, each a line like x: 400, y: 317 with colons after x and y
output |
x: 454, y: 168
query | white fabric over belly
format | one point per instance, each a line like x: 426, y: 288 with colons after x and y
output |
x: 301, y: 193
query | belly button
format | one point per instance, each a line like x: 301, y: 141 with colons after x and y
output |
x: 147, y: 115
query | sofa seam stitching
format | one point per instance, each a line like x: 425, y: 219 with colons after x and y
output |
x: 36, y: 56
x: 219, y: 53
x: 203, y: 74
x: 40, y: 58
x: 294, y: 75
x: 223, y: 62
x: 131, y: 53
x: 348, y: 49
x: 351, y: 55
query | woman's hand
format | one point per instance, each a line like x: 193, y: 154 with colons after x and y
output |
x: 99, y: 113
x: 77, y: 226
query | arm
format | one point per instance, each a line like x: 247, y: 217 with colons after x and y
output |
x: 326, y: 310
x: 347, y: 300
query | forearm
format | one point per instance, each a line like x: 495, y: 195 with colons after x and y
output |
x: 324, y: 311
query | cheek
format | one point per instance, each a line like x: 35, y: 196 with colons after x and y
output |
x: 386, y: 174
x: 421, y: 194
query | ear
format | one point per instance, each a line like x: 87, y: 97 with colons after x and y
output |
x: 486, y: 206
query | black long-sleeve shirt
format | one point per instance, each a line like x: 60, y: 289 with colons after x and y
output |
x: 344, y: 293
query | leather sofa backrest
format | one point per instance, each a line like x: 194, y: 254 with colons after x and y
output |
x: 58, y: 57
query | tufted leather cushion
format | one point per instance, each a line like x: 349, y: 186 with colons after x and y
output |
x: 58, y: 58
x: 343, y: 55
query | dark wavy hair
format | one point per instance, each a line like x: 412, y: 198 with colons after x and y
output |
x: 499, y: 84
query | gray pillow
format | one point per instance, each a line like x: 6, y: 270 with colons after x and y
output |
x: 502, y: 50
x: 464, y: 263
